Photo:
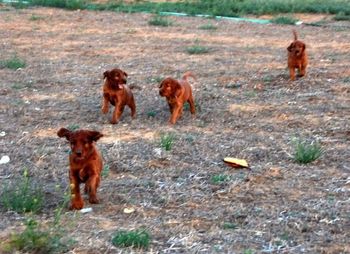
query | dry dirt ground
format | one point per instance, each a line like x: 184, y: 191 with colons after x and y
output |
x: 246, y: 106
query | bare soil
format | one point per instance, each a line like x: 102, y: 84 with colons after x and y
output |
x: 247, y: 108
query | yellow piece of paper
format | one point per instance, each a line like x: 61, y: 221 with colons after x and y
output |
x: 238, y: 162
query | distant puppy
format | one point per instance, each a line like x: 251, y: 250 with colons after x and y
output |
x: 117, y: 93
x: 177, y: 92
x: 297, y: 57
x: 85, y: 163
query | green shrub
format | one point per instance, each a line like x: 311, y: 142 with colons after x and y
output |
x: 23, y: 196
x: 218, y: 179
x: 160, y: 21
x: 284, y: 20
x: 306, y: 153
x: 13, y: 63
x: 133, y: 238
x: 341, y: 16
x: 197, y: 49
x: 167, y: 141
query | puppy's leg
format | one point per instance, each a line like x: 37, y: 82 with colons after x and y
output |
x: 302, y: 72
x: 105, y: 104
x: 292, y: 73
x: 171, y: 107
x: 192, y: 105
x: 132, y: 106
x: 118, y: 110
x: 77, y: 202
x: 92, y: 184
x: 175, y: 114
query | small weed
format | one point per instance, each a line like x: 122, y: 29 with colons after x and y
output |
x: 346, y: 80
x: 197, y: 49
x: 284, y: 20
x: 341, y: 16
x: 208, y: 26
x: 73, y: 127
x: 196, y: 105
x: 133, y: 238
x: 151, y: 113
x: 167, y: 141
x: 306, y: 153
x: 13, y: 63
x: 23, y: 196
x: 160, y: 21
x: 248, y: 251
x: 35, y: 17
x: 105, y: 171
x: 219, y: 179
x: 229, y: 225
x: 250, y: 94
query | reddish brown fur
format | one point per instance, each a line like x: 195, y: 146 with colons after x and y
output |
x: 177, y: 92
x: 85, y: 163
x: 117, y: 93
x: 297, y: 57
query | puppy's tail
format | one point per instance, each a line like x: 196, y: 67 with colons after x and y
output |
x: 135, y: 87
x: 188, y: 74
x: 295, y: 35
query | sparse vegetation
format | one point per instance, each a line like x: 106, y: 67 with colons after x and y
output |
x: 307, y: 152
x: 151, y: 113
x: 167, y: 141
x: 160, y: 21
x: 35, y: 17
x: 341, y: 16
x: 219, y: 179
x: 208, y: 26
x: 22, y: 195
x: 197, y: 49
x: 13, y: 63
x: 284, y: 20
x: 66, y: 4
x: 135, y: 238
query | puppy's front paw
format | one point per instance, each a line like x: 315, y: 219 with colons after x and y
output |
x: 104, y: 110
x: 93, y: 200
x: 76, y: 204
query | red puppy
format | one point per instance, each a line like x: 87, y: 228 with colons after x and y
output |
x: 117, y: 93
x: 297, y: 57
x: 177, y: 92
x: 85, y: 164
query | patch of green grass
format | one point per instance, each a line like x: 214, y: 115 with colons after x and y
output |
x: 341, y: 16
x: 248, y: 251
x: 160, y: 21
x: 208, y: 26
x: 151, y: 113
x: 307, y: 152
x: 167, y: 141
x: 13, y: 63
x: 229, y: 225
x: 219, y: 179
x: 65, y: 4
x: 36, y: 17
x: 134, y: 238
x: 105, y: 171
x: 23, y: 195
x: 73, y: 127
x: 197, y: 49
x: 284, y: 20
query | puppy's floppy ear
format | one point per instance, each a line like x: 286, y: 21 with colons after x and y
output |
x: 304, y: 47
x: 290, y: 47
x: 106, y: 74
x: 94, y: 135
x: 63, y: 132
x: 125, y: 74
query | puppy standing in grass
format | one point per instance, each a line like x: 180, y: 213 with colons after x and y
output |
x: 177, y: 92
x: 117, y: 93
x: 297, y: 57
x: 85, y: 163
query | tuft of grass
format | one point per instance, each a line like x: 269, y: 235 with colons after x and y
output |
x: 133, y: 238
x: 151, y: 113
x: 307, y: 152
x: 167, y: 141
x: 341, y: 16
x: 73, y: 127
x: 219, y: 179
x: 36, y: 17
x: 105, y: 171
x: 38, y: 237
x: 13, y: 63
x: 160, y: 21
x: 284, y: 20
x: 208, y: 26
x: 229, y: 225
x: 23, y: 196
x: 65, y: 4
x: 197, y: 49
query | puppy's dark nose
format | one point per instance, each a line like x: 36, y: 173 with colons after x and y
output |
x: 78, y: 152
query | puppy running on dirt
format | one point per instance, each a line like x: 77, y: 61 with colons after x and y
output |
x: 85, y: 164
x: 116, y: 92
x: 177, y: 92
x: 297, y: 57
